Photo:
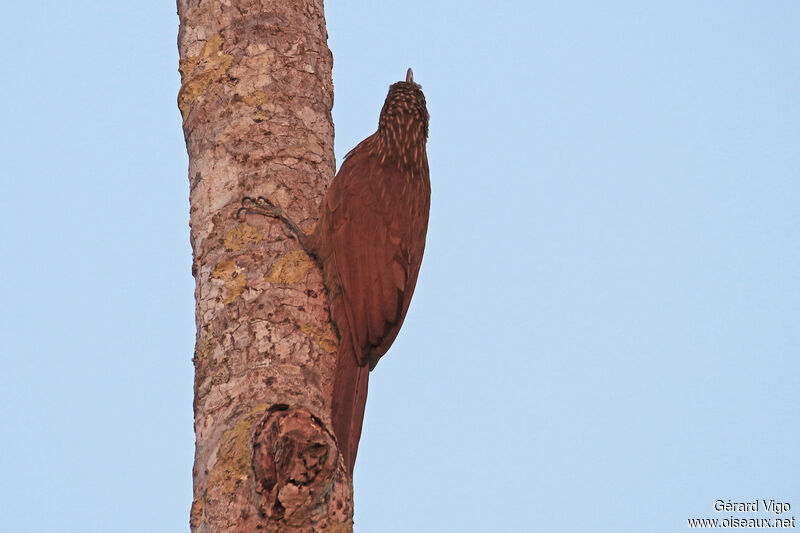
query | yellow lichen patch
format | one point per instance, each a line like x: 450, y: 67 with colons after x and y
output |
x: 324, y: 338
x: 242, y: 235
x: 201, y: 349
x: 338, y: 527
x: 256, y: 98
x: 197, y: 72
x: 232, y: 276
x: 234, y: 456
x: 289, y: 370
x: 262, y: 101
x: 198, y: 506
x: 260, y: 116
x: 290, y: 268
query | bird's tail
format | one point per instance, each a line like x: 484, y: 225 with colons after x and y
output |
x: 349, y: 400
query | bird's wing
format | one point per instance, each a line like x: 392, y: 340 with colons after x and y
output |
x: 370, y: 247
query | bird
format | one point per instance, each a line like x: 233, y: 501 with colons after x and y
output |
x: 368, y: 242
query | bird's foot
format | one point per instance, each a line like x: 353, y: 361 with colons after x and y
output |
x: 260, y: 206
x: 264, y: 207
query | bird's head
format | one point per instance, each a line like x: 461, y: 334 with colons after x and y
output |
x: 405, y: 109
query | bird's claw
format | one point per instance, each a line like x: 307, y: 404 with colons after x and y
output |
x: 258, y: 206
x: 264, y: 207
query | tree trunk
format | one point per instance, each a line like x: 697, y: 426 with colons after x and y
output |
x: 256, y: 97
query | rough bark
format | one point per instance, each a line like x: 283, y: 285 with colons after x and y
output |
x: 256, y: 97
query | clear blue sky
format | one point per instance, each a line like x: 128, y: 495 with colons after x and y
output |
x: 605, y: 331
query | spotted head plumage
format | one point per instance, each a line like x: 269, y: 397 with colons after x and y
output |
x: 403, y: 123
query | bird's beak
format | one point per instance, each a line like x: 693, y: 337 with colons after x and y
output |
x: 410, y: 76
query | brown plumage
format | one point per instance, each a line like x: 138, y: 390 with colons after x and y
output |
x: 369, y: 242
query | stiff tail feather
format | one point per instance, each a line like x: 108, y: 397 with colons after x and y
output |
x: 349, y: 400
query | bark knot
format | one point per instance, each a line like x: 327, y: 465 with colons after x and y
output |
x: 295, y: 464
